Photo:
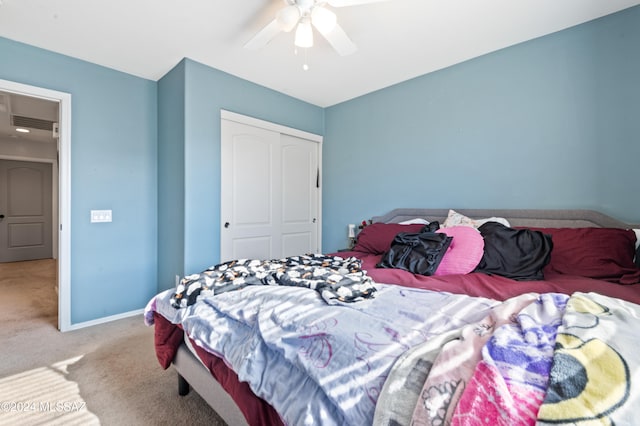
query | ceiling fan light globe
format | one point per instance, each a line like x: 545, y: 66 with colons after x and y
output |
x: 323, y: 19
x: 288, y: 17
x: 304, y: 34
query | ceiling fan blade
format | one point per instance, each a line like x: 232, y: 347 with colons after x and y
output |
x: 343, y: 3
x: 339, y: 40
x: 264, y: 36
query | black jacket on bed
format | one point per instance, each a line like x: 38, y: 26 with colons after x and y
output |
x: 419, y: 253
x: 519, y: 254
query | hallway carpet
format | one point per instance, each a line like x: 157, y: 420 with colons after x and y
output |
x: 101, y: 375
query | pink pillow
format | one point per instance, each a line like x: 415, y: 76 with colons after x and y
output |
x: 377, y: 238
x: 464, y: 252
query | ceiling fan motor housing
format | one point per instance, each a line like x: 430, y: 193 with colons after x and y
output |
x: 304, y: 14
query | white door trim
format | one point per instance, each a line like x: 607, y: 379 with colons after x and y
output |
x: 64, y: 191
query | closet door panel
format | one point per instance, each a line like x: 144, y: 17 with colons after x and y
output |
x: 300, y: 190
x: 250, y: 195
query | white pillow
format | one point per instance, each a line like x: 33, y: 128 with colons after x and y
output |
x: 417, y: 220
x: 457, y: 219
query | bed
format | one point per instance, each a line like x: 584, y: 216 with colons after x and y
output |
x: 454, y: 347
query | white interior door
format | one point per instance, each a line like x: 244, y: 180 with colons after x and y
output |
x: 270, y: 193
x: 25, y: 211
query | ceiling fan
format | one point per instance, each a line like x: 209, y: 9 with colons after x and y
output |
x: 302, y: 15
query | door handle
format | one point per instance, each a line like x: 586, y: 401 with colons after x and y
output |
x: 226, y: 224
x: 1, y: 216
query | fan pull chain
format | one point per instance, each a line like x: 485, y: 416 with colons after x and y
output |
x: 305, y: 64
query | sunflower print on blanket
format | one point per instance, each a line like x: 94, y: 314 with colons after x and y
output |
x: 337, y: 279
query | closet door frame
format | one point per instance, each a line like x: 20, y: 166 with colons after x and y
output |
x: 284, y: 130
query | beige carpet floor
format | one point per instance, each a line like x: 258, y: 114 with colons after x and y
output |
x: 101, y: 375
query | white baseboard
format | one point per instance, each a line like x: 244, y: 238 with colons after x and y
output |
x: 103, y: 320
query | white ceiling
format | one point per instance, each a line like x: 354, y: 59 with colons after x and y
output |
x: 397, y: 39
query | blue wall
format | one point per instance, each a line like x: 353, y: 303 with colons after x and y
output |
x: 206, y: 92
x: 171, y: 132
x: 113, y: 166
x: 550, y: 123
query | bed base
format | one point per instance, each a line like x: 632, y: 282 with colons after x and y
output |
x: 193, y: 374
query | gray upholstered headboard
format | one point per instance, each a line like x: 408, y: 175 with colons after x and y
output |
x: 531, y: 218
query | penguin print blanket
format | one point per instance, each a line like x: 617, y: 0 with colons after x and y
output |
x: 536, y: 359
x: 337, y: 279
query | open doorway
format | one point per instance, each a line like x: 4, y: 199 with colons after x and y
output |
x: 41, y: 148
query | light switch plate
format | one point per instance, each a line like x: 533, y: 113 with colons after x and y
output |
x: 98, y: 216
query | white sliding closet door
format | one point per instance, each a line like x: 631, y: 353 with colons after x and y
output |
x: 270, y: 195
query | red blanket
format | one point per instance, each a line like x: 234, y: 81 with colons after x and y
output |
x: 494, y: 286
